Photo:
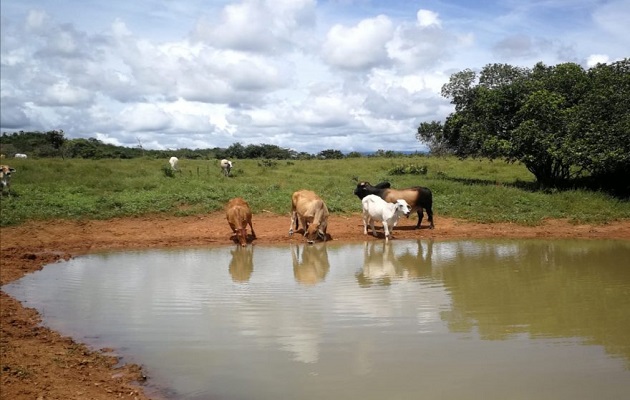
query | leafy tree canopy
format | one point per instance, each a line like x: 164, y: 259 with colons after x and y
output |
x: 562, y: 122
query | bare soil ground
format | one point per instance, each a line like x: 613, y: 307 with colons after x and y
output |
x: 38, y: 363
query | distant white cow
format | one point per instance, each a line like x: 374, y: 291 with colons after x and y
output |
x: 173, y: 161
x: 20, y: 155
x: 377, y: 209
x: 226, y: 167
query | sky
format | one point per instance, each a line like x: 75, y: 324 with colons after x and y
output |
x: 308, y: 75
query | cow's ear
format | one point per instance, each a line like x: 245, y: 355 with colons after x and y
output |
x: 11, y: 169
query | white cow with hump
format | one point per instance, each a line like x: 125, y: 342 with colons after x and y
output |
x: 377, y: 209
x: 173, y: 161
x: 226, y: 167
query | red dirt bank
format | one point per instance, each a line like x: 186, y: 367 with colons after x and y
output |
x: 37, y: 363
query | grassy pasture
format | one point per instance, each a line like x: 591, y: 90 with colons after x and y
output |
x: 476, y: 190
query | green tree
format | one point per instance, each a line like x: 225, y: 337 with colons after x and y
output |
x: 56, y: 140
x: 330, y: 154
x: 560, y: 121
x: 432, y: 134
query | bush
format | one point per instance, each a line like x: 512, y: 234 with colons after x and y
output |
x: 409, y: 169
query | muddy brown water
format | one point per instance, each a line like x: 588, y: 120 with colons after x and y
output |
x: 411, y: 319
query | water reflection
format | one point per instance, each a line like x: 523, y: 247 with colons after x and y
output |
x: 351, y: 321
x: 242, y: 264
x: 551, y: 289
x: 381, y: 264
x: 313, y: 266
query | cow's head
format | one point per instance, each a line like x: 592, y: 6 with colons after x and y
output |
x: 402, y: 207
x: 362, y: 189
x: 365, y: 188
x: 316, y: 231
x: 5, y: 174
x: 242, y: 236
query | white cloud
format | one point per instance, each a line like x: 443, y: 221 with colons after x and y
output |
x: 360, y: 47
x: 595, y: 59
x: 297, y: 73
x: 428, y: 18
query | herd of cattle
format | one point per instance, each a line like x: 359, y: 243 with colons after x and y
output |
x: 380, y: 203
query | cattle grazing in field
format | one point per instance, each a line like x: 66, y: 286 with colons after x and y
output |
x: 2, y: 156
x: 310, y: 210
x: 5, y: 178
x: 173, y: 161
x: 419, y: 198
x: 239, y: 215
x: 377, y: 209
x: 20, y: 155
x: 226, y: 167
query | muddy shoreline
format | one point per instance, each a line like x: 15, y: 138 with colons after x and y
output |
x: 38, y: 363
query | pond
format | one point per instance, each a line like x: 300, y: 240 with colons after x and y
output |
x: 491, y: 319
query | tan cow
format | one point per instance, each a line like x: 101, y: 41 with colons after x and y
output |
x: 5, y: 178
x: 239, y: 215
x: 310, y: 210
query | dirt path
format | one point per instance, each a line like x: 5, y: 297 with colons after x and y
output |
x: 37, y: 363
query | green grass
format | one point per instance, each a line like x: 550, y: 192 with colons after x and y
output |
x: 481, y: 191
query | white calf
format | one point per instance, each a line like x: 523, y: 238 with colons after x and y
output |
x: 20, y: 155
x: 173, y: 161
x: 226, y: 166
x: 377, y: 209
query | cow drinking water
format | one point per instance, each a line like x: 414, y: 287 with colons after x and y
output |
x: 310, y: 210
x: 239, y: 215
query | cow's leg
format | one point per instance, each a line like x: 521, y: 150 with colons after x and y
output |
x: 252, y: 228
x: 430, y: 214
x: 293, y: 222
x: 305, y: 225
x: 372, y: 226
x: 386, y: 229
x: 420, y: 216
x: 366, y: 218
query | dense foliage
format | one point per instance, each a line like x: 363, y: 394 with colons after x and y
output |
x: 562, y: 122
x: 55, y: 144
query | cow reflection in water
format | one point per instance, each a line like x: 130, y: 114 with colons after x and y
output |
x: 242, y: 264
x: 381, y: 264
x: 313, y: 266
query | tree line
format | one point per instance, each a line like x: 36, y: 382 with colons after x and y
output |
x: 55, y: 144
x: 567, y: 125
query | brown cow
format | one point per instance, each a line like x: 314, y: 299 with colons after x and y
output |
x: 239, y: 215
x: 5, y: 178
x: 310, y: 210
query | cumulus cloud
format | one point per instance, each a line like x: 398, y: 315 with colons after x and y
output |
x: 428, y: 18
x: 297, y: 73
x: 359, y: 47
x: 595, y: 59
